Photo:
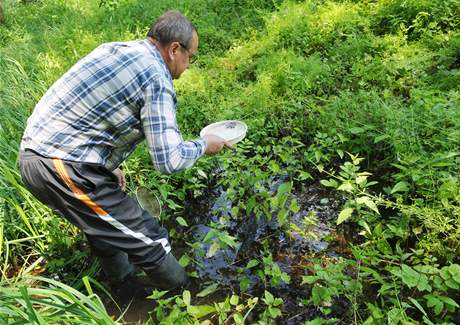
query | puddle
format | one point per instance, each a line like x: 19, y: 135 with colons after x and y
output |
x: 313, y: 237
x: 316, y: 218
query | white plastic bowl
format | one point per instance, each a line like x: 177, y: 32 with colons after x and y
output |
x: 232, y: 131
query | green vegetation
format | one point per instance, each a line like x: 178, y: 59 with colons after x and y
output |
x: 357, y: 98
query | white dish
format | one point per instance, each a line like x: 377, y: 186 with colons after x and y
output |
x: 231, y: 131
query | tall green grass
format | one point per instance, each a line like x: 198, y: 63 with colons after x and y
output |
x: 38, y: 300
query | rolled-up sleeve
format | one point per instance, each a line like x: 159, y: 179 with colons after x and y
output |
x: 168, y: 150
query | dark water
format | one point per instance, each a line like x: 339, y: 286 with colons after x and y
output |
x: 290, y: 250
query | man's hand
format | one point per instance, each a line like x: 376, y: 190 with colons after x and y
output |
x: 215, y: 144
x: 121, y: 178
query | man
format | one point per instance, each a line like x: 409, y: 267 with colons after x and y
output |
x: 90, y: 121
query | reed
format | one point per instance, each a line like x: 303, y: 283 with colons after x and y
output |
x: 39, y: 300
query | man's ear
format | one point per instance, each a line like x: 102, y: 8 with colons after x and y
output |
x: 172, y: 50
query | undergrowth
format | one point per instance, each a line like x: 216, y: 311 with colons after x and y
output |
x: 361, y: 97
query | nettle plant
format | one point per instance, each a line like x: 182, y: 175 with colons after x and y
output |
x: 179, y: 309
x: 257, y: 182
x: 268, y: 271
x: 410, y: 293
x: 412, y: 287
x: 331, y: 282
x: 218, y: 238
x: 356, y: 185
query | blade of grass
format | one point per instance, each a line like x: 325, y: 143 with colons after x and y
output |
x: 31, y: 311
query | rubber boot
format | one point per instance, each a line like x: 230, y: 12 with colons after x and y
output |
x: 117, y: 267
x: 169, y: 275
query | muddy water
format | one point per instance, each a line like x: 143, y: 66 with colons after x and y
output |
x: 292, y: 251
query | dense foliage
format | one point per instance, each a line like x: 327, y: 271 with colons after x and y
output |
x: 357, y: 98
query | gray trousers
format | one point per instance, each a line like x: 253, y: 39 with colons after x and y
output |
x: 118, y: 230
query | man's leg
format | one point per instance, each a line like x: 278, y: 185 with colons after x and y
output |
x: 89, y: 197
x: 114, y: 262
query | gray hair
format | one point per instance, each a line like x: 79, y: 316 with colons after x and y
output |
x: 172, y: 26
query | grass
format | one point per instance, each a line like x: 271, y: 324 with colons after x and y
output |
x: 313, y: 80
x: 50, y: 302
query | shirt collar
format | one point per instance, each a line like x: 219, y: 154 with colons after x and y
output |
x: 156, y: 53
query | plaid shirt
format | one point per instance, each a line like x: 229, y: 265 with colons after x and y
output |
x: 106, y: 104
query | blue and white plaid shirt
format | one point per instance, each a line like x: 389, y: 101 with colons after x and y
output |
x: 106, y: 104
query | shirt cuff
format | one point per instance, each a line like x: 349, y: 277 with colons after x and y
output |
x: 203, y: 143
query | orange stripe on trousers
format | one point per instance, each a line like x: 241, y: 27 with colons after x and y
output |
x: 79, y: 194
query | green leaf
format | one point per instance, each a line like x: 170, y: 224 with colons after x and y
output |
x: 376, y: 275
x: 227, y: 239
x: 384, y: 246
x: 409, y: 276
x: 211, y: 233
x: 452, y: 284
x: 200, y: 311
x: 381, y: 138
x: 250, y: 204
x: 245, y: 283
x: 445, y: 273
x: 412, y: 278
x: 181, y: 221
x: 285, y: 278
x: 184, y: 260
x: 344, y: 215
x: 283, y: 216
x: 238, y: 318
x: 304, y: 175
x: 449, y: 301
x: 208, y: 290
x: 400, y: 187
x: 419, y: 307
x: 396, y: 315
x: 357, y: 130
x: 347, y: 187
x: 274, y: 312
x: 157, y: 295
x: 252, y: 263
x: 454, y: 271
x: 202, y: 174
x: 368, y: 202
x: 318, y: 155
x: 361, y: 179
x: 365, y: 226
x: 186, y: 297
x: 234, y: 299
x: 320, y: 295
x: 294, y: 207
x: 269, y: 299
x: 316, y: 321
x: 284, y: 188
x: 434, y: 301
x: 329, y: 183
x: 213, y: 249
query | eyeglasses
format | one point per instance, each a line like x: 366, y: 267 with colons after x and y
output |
x: 191, y: 57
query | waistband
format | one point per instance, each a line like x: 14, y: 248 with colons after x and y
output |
x: 27, y: 154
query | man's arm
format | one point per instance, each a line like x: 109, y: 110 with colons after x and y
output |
x: 169, y: 151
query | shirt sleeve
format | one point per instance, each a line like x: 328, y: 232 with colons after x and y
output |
x: 168, y: 150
